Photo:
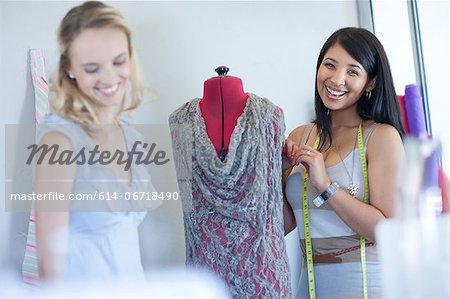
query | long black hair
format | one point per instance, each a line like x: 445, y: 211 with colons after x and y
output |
x: 382, y: 106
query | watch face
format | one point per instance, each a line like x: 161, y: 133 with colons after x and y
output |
x: 329, y: 191
x: 318, y: 201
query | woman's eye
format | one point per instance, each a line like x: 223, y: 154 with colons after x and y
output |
x: 91, y: 70
x: 329, y: 65
x: 353, y: 73
x: 120, y: 61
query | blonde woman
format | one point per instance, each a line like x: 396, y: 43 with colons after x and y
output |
x: 97, y: 239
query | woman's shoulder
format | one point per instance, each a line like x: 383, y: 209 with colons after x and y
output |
x: 57, y: 138
x: 57, y: 129
x: 383, y: 138
x: 381, y: 132
x: 297, y: 133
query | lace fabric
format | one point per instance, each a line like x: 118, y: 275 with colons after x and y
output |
x: 233, y: 210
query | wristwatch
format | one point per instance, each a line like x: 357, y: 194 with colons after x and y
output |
x: 322, y: 198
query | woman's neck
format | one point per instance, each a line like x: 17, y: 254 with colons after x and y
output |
x: 345, y: 119
x: 107, y: 116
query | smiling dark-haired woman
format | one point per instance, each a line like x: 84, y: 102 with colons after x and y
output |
x: 341, y: 178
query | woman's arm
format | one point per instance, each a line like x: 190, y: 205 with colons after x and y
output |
x: 290, y: 159
x: 288, y: 213
x: 52, y: 217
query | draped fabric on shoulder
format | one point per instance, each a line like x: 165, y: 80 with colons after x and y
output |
x: 233, y: 209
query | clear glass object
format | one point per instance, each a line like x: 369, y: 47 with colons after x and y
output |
x: 414, y: 246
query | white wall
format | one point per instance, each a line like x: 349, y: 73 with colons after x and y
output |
x: 434, y: 26
x: 272, y: 46
x: 396, y: 40
x: 435, y: 31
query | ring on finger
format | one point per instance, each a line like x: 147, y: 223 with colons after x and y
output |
x: 308, y: 153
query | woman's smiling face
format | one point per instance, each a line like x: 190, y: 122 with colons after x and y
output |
x: 341, y: 80
x: 100, y: 63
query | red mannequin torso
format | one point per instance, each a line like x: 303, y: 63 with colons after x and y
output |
x: 234, y: 101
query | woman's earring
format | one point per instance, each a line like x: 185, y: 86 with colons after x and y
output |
x: 71, y: 76
x: 368, y: 94
x: 328, y: 112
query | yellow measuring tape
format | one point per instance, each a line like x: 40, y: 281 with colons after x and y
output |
x: 362, y: 241
x: 308, y: 243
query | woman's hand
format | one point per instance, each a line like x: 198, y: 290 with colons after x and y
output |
x: 290, y: 154
x: 313, y: 161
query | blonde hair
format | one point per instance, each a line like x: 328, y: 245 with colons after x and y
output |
x: 69, y: 101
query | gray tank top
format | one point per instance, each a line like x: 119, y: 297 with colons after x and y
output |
x: 329, y: 233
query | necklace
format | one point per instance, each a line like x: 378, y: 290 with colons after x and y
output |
x: 352, y: 188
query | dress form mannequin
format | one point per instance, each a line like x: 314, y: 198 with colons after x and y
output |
x: 238, y: 199
x: 223, y: 102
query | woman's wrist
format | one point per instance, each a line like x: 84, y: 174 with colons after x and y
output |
x: 324, y: 185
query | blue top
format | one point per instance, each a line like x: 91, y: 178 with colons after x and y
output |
x: 103, y: 240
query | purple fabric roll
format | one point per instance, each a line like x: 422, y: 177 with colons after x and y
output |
x: 415, y: 112
x: 431, y: 171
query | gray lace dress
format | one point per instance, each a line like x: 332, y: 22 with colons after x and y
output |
x: 233, y: 210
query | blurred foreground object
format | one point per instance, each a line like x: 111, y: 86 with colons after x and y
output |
x: 414, y: 246
x: 167, y: 284
x: 416, y: 257
x: 444, y: 183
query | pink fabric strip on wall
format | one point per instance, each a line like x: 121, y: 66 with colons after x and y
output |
x: 401, y: 102
x: 30, y: 271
